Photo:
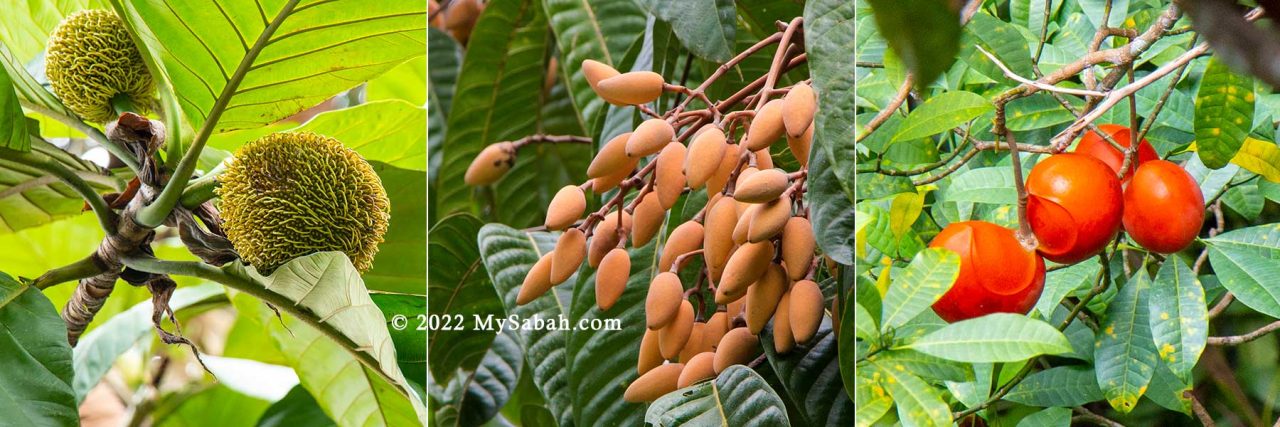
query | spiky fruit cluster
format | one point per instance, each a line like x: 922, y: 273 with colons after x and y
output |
x: 753, y: 233
x: 91, y: 60
x: 291, y: 194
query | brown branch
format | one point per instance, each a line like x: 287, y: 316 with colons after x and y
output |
x: 1241, y: 339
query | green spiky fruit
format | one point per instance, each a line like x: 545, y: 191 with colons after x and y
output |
x: 91, y: 60
x: 291, y: 194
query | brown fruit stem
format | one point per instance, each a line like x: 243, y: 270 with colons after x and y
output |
x: 1025, y: 236
x: 683, y: 259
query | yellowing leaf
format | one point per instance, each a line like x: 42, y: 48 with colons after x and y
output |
x: 1260, y: 157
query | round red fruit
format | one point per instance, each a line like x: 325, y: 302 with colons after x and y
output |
x: 997, y: 274
x: 1074, y: 204
x: 1164, y: 208
x: 1094, y: 145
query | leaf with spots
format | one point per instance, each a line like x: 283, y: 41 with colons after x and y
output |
x: 996, y: 337
x: 1125, y: 354
x: 1179, y: 318
x: 1224, y: 113
x: 929, y: 275
x: 919, y: 404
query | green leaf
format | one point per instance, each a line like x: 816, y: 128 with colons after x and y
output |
x: 496, y: 97
x: 36, y: 389
x: 297, y: 408
x: 13, y: 125
x: 600, y: 30
x: 399, y: 265
x: 930, y: 368
x: 1037, y: 111
x: 409, y: 335
x: 929, y: 53
x: 1059, y: 386
x: 1262, y: 240
x: 1212, y: 181
x: 25, y: 26
x: 1125, y: 354
x: 98, y: 350
x: 212, y: 405
x: 941, y: 113
x: 864, y: 325
x: 828, y: 28
x: 831, y: 209
x: 738, y: 397
x: 860, y: 324
x: 918, y: 403
x: 872, y: 400
x: 1051, y: 417
x: 1003, y: 40
x: 478, y: 396
x: 1061, y: 282
x: 929, y: 276
x: 903, y: 211
x: 1179, y: 318
x: 996, y: 337
x: 1224, y: 113
x: 983, y: 185
x: 806, y: 373
x: 257, y: 63
x: 707, y: 28
x: 458, y: 289
x: 1168, y: 390
x: 1248, y: 276
x: 508, y: 255
x: 334, y: 337
x: 1245, y: 200
x: 30, y: 197
x: 406, y: 82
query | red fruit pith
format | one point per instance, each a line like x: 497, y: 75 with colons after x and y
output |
x: 997, y: 275
x: 1094, y: 145
x: 1074, y: 205
x: 1163, y: 207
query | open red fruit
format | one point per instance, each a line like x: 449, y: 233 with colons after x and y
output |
x: 1074, y: 204
x: 1164, y: 208
x: 997, y: 275
x: 1094, y: 145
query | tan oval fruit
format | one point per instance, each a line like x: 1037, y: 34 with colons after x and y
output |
x: 769, y: 220
x: 783, y: 341
x: 597, y: 71
x: 797, y: 247
x: 805, y: 310
x: 738, y: 347
x: 612, y: 277
x: 647, y: 220
x: 633, y: 88
x: 799, y: 146
x: 798, y: 108
x: 763, y: 296
x: 745, y: 266
x: 744, y: 224
x: 566, y: 207
x: 717, y: 325
x: 605, y: 237
x: 650, y: 355
x: 570, y: 250
x: 670, y: 174
x: 650, y: 137
x: 728, y: 163
x: 612, y: 156
x: 654, y: 384
x: 717, y: 241
x: 704, y: 156
x: 764, y: 159
x: 491, y: 164
x: 673, y: 337
x: 694, y: 344
x: 662, y: 304
x: 763, y: 186
x: 766, y: 126
x: 608, y: 182
x: 536, y: 282
x: 747, y: 172
x: 686, y: 238
x: 699, y: 367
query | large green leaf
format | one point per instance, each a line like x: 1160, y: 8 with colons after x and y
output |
x: 941, y: 113
x: 30, y: 197
x: 997, y: 337
x: 496, y: 97
x: 926, y: 53
x: 1060, y: 386
x: 828, y: 27
x: 508, y: 255
x: 36, y: 387
x: 929, y: 275
x: 707, y: 28
x: 399, y: 266
x: 213, y: 405
x: 407, y: 82
x: 1179, y: 318
x: 1125, y: 354
x: 297, y: 408
x: 919, y: 404
x: 600, y: 30
x: 13, y: 125
x: 405, y: 323
x: 98, y: 350
x: 984, y: 185
x: 255, y: 62
x: 25, y: 25
x: 476, y: 397
x: 831, y: 208
x: 999, y: 38
x: 1262, y: 240
x: 810, y: 376
x: 334, y: 337
x: 1224, y: 113
x: 458, y: 289
x: 1248, y: 276
x: 738, y: 397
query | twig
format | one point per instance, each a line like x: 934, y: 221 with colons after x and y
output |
x: 1241, y: 339
x: 1038, y: 85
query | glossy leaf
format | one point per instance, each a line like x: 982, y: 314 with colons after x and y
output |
x: 1260, y: 157
x: 600, y: 30
x: 457, y: 289
x: 13, y: 125
x: 941, y: 113
x: 997, y: 337
x: 828, y: 28
x: 37, y: 387
x: 1051, y: 417
x: 984, y: 185
x: 1249, y: 276
x: 1125, y: 354
x: 1224, y: 113
x: 737, y: 397
x: 1058, y: 386
x: 477, y: 397
x: 1179, y: 318
x: 809, y: 374
x: 918, y: 403
x: 926, y: 53
x: 707, y: 28
x: 297, y: 408
x: 831, y: 211
x: 929, y: 276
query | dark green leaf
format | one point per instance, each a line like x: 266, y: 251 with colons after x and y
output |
x: 1125, y: 354
x: 926, y: 53
x: 297, y: 408
x: 36, y: 388
x: 1060, y: 386
x: 738, y: 397
x: 600, y: 30
x: 457, y: 289
x: 1179, y: 318
x: 707, y: 28
x: 13, y: 125
x: 809, y: 374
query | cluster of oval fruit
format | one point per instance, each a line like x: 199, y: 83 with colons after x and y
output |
x: 753, y: 235
x: 1076, y: 205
